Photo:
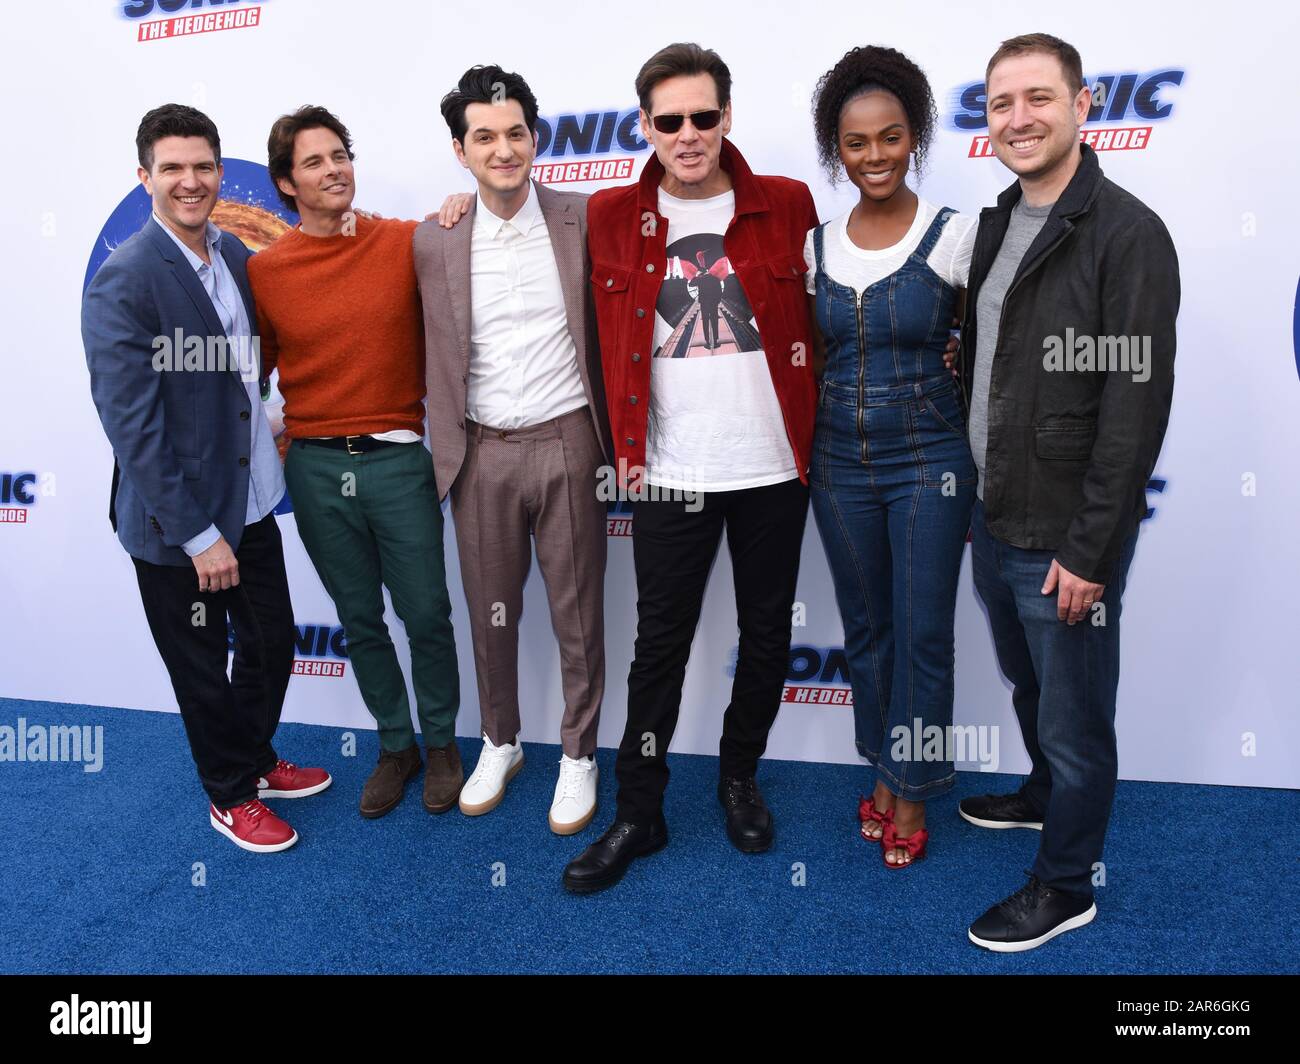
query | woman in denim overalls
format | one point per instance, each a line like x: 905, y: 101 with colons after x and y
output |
x: 892, y: 477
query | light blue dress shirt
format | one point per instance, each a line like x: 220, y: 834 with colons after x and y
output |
x: 265, y: 476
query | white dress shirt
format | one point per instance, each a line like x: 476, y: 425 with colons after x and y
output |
x: 523, y: 363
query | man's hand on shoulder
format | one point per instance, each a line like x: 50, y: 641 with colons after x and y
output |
x: 453, y: 209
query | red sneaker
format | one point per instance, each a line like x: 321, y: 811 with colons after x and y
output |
x: 287, y: 780
x: 252, y: 826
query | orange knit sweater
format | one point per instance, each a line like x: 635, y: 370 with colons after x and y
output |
x: 340, y: 318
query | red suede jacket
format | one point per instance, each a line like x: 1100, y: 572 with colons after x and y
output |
x: 627, y: 236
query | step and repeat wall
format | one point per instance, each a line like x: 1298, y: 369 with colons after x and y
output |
x: 1196, y: 120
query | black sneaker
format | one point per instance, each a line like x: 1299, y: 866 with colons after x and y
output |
x: 1000, y: 811
x: 1034, y: 914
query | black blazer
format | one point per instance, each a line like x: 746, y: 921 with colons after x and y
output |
x: 1071, y: 448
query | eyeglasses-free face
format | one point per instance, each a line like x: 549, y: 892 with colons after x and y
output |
x: 1034, y: 119
x: 184, y: 182
x: 875, y: 144
x: 498, y: 148
x: 670, y: 123
x: 322, y: 179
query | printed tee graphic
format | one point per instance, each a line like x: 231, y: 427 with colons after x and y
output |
x: 693, y: 442
x: 702, y: 302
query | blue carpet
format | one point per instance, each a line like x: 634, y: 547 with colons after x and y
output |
x: 96, y: 875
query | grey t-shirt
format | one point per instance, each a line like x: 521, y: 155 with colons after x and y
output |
x: 1025, y: 223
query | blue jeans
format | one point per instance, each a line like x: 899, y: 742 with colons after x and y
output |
x: 1064, y: 680
x: 894, y: 527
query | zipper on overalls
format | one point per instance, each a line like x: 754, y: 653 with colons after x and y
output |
x: 862, y: 372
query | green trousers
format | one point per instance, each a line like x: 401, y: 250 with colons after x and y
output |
x: 371, y: 521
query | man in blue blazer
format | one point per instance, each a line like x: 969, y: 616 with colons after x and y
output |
x: 168, y: 326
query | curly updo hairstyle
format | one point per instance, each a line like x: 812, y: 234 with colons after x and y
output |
x: 864, y: 70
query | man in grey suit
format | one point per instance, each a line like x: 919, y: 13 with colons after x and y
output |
x: 169, y: 330
x: 518, y: 428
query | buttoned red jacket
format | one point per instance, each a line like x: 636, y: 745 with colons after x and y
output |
x: 627, y: 237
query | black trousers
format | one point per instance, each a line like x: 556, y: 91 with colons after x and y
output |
x: 673, y: 551
x: 229, y: 719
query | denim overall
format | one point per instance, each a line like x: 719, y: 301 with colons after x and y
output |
x: 892, y: 488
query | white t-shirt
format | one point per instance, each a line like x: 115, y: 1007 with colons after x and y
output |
x: 715, y: 422
x: 858, y: 269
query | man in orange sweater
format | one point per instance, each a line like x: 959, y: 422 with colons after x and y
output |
x: 340, y: 317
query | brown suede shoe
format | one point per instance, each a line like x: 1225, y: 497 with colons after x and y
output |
x: 443, y: 777
x: 388, y: 781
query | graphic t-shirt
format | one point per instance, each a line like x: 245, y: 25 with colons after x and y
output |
x: 715, y: 423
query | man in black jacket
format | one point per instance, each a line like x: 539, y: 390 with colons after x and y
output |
x: 1070, y: 339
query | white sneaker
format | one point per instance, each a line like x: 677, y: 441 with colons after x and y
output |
x: 575, y: 795
x: 497, y: 766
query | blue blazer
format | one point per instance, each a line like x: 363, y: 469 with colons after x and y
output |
x: 181, y: 438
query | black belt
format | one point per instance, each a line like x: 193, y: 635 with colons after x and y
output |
x: 351, y: 444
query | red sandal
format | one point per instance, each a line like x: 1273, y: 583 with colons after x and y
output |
x: 867, y: 811
x: 914, y: 844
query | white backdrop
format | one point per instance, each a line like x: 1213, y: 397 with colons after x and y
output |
x: 1209, y: 685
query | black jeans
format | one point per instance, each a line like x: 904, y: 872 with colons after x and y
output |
x: 229, y: 720
x: 673, y: 550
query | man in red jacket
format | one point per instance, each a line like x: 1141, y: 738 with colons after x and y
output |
x: 711, y: 401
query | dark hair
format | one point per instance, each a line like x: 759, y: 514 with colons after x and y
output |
x: 173, y: 120
x: 1066, y: 54
x: 279, y: 145
x: 865, y: 70
x: 682, y: 60
x: 487, y: 84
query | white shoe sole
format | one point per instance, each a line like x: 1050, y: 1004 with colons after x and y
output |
x: 306, y: 792
x: 1034, y: 943
x: 251, y: 846
x: 561, y: 828
x: 486, y: 807
x: 997, y: 825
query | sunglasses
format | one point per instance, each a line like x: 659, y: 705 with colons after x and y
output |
x: 699, y: 119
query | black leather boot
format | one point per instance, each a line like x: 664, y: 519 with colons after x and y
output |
x: 749, y: 824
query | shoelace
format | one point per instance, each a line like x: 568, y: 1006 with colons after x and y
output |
x: 488, y: 760
x: 615, y: 833
x: 742, y: 789
x: 573, y: 774
x: 285, y: 766
x: 1019, y: 905
x: 253, y: 809
x: 392, y: 758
